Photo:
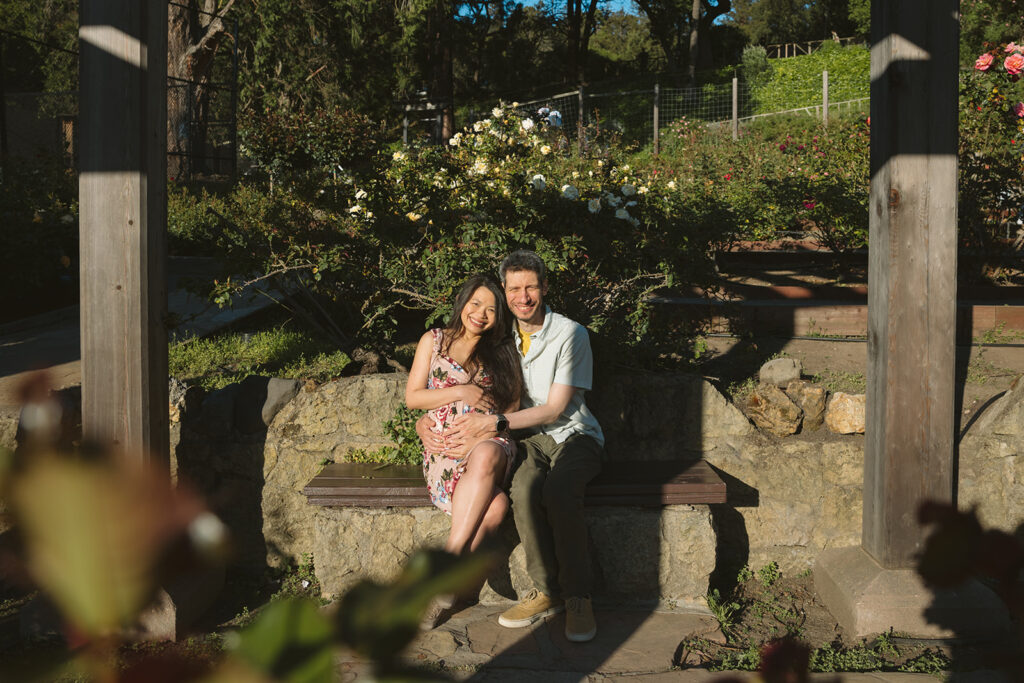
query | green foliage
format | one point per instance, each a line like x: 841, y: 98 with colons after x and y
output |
x: 756, y: 67
x: 291, y: 144
x: 994, y: 22
x: 769, y: 574
x: 291, y: 640
x: 840, y: 380
x: 405, y: 231
x: 299, y: 581
x: 829, y: 658
x: 782, y: 174
x: 217, y: 361
x: 724, y: 609
x: 191, y: 220
x: 990, y: 160
x: 745, y: 574
x: 748, y: 659
x: 38, y: 235
x: 406, y: 448
x: 932, y: 662
x: 796, y: 81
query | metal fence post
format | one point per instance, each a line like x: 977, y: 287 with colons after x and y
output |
x: 824, y: 97
x: 735, y: 108
x: 580, y: 121
x: 656, y: 97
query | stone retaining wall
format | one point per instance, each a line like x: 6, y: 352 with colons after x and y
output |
x: 665, y: 554
x: 251, y: 448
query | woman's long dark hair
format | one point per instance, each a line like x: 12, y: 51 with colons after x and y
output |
x: 495, y: 352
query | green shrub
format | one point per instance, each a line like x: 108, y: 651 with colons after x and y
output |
x: 796, y: 81
x: 217, y: 361
x: 38, y: 235
x: 405, y: 448
x: 405, y: 230
x: 990, y: 159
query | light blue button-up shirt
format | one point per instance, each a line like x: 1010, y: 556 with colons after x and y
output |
x: 560, y: 353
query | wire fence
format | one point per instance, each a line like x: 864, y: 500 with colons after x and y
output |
x: 202, y: 139
x: 642, y: 115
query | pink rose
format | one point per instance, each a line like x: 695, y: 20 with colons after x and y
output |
x: 1018, y: 109
x: 983, y: 62
x: 1014, y: 64
x: 1013, y: 47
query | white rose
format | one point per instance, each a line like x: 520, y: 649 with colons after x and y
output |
x: 527, y: 124
x: 625, y: 168
x: 479, y: 167
x: 600, y: 164
x: 546, y: 149
x: 360, y: 194
x: 642, y: 189
x: 399, y: 156
x: 496, y: 112
x: 575, y: 174
x: 594, y: 205
x: 628, y: 190
x: 355, y: 209
x: 454, y: 140
x: 478, y: 126
x: 570, y: 192
x: 538, y: 182
x: 671, y: 184
x: 413, y: 216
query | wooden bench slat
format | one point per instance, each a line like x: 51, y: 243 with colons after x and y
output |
x: 644, y: 483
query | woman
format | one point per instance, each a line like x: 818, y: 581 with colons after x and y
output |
x: 470, y: 364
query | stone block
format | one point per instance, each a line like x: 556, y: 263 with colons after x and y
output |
x: 867, y: 599
x: 354, y: 543
x: 846, y: 413
x: 780, y: 371
x: 772, y: 410
x: 811, y: 399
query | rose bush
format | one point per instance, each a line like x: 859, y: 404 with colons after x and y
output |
x: 991, y: 157
x: 350, y: 250
x: 779, y: 177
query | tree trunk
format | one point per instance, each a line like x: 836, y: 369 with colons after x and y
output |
x: 193, y: 36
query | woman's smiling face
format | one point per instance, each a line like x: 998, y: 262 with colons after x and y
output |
x: 480, y: 312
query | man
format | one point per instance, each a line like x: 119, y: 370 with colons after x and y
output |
x: 561, y: 456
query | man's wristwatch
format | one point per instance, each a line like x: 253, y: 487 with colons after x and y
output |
x: 502, y: 423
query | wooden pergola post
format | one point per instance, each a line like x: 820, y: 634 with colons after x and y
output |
x: 911, y: 272
x: 908, y: 453
x: 122, y: 200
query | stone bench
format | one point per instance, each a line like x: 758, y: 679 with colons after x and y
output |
x: 651, y: 532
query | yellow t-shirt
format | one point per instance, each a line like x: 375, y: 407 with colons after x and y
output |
x: 525, y: 342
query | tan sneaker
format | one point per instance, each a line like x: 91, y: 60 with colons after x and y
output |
x: 533, y: 607
x: 580, y: 626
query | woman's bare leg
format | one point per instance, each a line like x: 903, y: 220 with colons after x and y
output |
x: 474, y: 493
x: 496, y: 512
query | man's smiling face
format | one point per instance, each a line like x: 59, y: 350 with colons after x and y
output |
x: 525, y: 296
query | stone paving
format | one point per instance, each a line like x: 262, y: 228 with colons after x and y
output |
x: 632, y: 646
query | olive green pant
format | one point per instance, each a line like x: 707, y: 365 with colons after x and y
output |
x: 547, y: 502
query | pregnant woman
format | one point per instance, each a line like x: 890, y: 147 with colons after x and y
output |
x: 469, y: 365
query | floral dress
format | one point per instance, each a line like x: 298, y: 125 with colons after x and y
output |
x: 441, y: 471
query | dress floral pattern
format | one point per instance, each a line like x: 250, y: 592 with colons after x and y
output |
x: 441, y: 471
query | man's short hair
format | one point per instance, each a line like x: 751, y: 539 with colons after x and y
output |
x: 523, y: 259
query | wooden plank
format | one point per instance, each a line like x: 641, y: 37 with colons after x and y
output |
x: 620, y: 483
x: 911, y: 273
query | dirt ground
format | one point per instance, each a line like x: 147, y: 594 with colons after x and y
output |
x: 766, y: 607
